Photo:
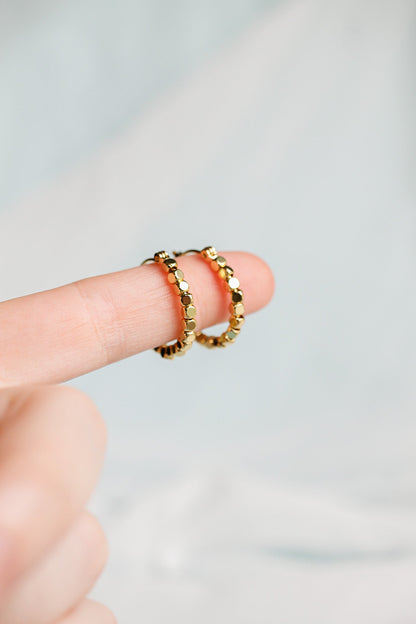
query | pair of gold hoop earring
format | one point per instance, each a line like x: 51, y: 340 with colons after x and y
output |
x: 181, y: 286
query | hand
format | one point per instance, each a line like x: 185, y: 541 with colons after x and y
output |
x: 52, y: 439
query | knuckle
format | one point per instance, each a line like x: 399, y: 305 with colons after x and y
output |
x: 107, y: 616
x: 80, y: 404
x: 90, y: 611
x: 65, y: 421
x: 89, y: 415
x: 95, y: 543
x: 102, y: 317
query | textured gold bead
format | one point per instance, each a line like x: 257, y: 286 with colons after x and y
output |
x: 233, y: 283
x: 169, y: 352
x: 181, y: 287
x: 186, y: 299
x: 165, y: 351
x: 231, y: 335
x: 190, y: 311
x: 236, y: 296
x: 225, y: 272
x: 175, y: 276
x: 187, y: 346
x: 189, y: 324
x: 237, y: 309
x: 188, y: 337
x: 236, y: 322
x: 170, y: 264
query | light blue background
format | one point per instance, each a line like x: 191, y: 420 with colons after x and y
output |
x: 296, y: 445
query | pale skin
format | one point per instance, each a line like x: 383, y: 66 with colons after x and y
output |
x: 52, y: 439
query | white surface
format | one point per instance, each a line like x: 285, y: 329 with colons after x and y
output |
x: 284, y: 489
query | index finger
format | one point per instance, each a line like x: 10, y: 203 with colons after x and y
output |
x: 53, y: 336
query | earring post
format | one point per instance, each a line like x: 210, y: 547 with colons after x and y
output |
x: 185, y: 253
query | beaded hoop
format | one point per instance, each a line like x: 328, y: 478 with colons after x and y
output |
x: 226, y: 273
x: 181, y: 286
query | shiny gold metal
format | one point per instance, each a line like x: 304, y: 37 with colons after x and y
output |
x: 175, y: 275
x: 190, y: 311
x: 186, y: 299
x: 189, y: 323
x: 225, y: 273
x: 237, y: 309
x: 176, y: 279
x: 236, y: 322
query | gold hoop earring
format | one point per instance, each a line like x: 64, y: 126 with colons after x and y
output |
x: 226, y: 273
x: 181, y: 286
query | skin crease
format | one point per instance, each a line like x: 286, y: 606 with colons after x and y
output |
x: 51, y: 549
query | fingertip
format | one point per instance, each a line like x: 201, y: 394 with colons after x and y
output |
x: 256, y: 278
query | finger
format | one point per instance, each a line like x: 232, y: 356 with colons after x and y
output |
x: 55, y: 335
x: 89, y: 612
x: 52, y: 443
x: 62, y: 579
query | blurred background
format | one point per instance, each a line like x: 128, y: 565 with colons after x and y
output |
x: 285, y: 489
